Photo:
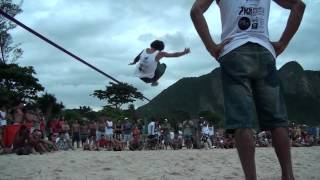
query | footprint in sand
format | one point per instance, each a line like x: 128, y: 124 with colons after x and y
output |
x: 106, y: 169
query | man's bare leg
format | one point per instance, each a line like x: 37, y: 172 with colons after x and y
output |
x: 246, y: 150
x: 280, y: 140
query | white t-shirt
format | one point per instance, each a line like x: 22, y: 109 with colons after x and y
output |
x: 109, y: 128
x: 3, y: 121
x: 211, y: 130
x: 147, y: 64
x: 245, y: 21
x: 205, y: 130
x: 151, y: 128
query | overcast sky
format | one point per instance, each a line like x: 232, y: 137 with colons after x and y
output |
x: 110, y: 33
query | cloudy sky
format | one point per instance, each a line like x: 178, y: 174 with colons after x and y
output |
x: 110, y: 33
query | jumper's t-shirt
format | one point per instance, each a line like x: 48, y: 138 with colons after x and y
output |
x: 147, y: 64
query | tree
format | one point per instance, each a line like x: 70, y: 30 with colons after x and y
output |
x: 48, y: 104
x: 212, y: 117
x: 118, y: 94
x: 115, y: 114
x: 71, y: 115
x: 131, y: 113
x: 9, y: 52
x: 18, y: 84
x: 177, y: 116
x: 84, y: 109
x: 83, y: 113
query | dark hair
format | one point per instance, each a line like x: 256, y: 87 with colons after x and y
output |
x: 158, y: 45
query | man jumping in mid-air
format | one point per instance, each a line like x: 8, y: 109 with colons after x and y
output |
x: 149, y: 68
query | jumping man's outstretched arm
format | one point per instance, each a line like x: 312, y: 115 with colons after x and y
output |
x: 175, y: 54
x: 296, y: 13
x: 200, y: 23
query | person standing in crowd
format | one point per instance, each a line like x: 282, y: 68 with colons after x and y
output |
x: 127, y: 131
x: 152, y: 129
x: 206, y: 135
x: 118, y: 131
x: 3, y: 122
x: 65, y: 132
x: 92, y: 133
x: 3, y: 115
x: 166, y: 127
x: 18, y: 114
x: 84, y: 132
x: 211, y: 131
x: 100, y: 130
x: 188, y: 132
x: 109, y: 132
x: 75, y: 133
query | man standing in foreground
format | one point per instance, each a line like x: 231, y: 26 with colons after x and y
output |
x: 248, y: 71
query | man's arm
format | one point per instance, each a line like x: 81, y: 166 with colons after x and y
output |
x: 297, y: 8
x: 200, y: 23
x: 136, y: 59
x: 175, y: 54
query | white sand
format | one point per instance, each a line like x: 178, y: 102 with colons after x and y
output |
x: 164, y: 164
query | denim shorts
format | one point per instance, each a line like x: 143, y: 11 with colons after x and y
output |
x: 251, y: 89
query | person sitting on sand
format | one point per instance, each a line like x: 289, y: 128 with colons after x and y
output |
x: 117, y: 144
x: 65, y: 128
x: 41, y: 145
x: 87, y: 146
x: 21, y: 144
x: 149, y: 68
x: 103, y: 143
x: 135, y: 143
x: 229, y: 141
x: 52, y: 139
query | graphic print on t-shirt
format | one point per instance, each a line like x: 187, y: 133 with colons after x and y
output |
x: 251, y: 17
x: 142, y: 65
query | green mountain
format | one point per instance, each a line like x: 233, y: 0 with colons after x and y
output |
x: 189, y: 96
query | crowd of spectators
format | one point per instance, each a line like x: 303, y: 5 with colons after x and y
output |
x: 24, y: 130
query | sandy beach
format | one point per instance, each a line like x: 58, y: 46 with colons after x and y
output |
x: 152, y: 165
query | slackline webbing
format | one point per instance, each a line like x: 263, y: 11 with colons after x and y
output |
x: 59, y: 47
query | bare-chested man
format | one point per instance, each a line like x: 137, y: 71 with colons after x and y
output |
x: 101, y: 129
x: 76, y: 133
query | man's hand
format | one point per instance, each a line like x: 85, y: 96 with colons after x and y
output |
x: 279, y: 47
x: 186, y: 50
x: 216, y: 50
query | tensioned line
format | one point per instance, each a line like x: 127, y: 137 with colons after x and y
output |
x: 59, y: 47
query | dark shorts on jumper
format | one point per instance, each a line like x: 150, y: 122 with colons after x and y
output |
x: 161, y: 68
x: 251, y: 89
